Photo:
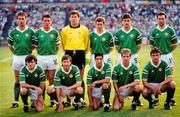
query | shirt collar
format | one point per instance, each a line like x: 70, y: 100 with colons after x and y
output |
x: 128, y: 30
x: 97, y: 68
x: 162, y: 29
x: 126, y: 67
x: 26, y: 27
x: 104, y: 31
x: 48, y: 30
x: 67, y: 71
x: 154, y: 64
x: 31, y: 70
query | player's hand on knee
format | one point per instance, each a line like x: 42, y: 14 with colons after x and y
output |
x: 90, y: 107
x: 39, y: 90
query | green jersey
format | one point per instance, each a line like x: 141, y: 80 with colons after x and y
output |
x: 47, y: 41
x: 156, y: 73
x: 129, y: 39
x: 123, y: 75
x: 67, y: 78
x: 95, y: 74
x: 21, y: 41
x: 101, y: 43
x: 33, y: 77
x: 163, y: 39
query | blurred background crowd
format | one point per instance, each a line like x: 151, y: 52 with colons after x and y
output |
x: 144, y: 14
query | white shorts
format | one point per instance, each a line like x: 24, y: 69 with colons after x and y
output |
x: 68, y: 93
x: 106, y: 59
x: 126, y: 92
x: 134, y: 59
x: 168, y: 59
x: 18, y: 62
x: 97, y: 92
x: 33, y: 95
x: 48, y: 62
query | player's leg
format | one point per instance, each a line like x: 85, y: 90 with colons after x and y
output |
x: 136, y: 92
x: 39, y: 102
x: 96, y: 103
x: 147, y: 94
x: 24, y: 97
x: 117, y: 103
x: 106, y: 87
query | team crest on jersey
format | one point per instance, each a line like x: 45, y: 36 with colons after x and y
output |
x: 27, y: 35
x: 36, y: 75
x: 130, y: 72
x: 70, y: 76
x: 166, y: 34
x: 26, y: 75
x: 160, y: 69
x: 102, y: 72
x: 132, y: 35
x: 121, y: 73
x: 122, y: 36
x: 41, y: 36
x: 152, y: 70
x: 157, y: 34
x: 103, y: 39
x: 95, y: 39
x: 52, y: 36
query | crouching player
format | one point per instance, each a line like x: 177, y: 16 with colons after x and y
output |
x: 98, y: 81
x: 126, y: 81
x: 67, y: 82
x: 157, y: 78
x: 32, y: 81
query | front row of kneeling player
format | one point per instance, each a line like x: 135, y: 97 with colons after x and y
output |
x: 156, y: 77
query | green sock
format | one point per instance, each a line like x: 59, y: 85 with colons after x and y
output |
x: 16, y: 91
x: 106, y: 93
x: 24, y: 99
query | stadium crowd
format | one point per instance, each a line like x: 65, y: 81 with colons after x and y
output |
x: 144, y: 16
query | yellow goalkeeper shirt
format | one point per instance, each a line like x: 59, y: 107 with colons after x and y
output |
x: 75, y: 38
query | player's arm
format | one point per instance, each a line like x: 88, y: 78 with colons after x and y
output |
x: 77, y: 84
x: 106, y: 80
x: 11, y: 48
x: 174, y: 46
x: 174, y: 39
x: 90, y: 98
x: 138, y: 40
x: 132, y: 84
x: 167, y: 80
x: 147, y: 85
x: 58, y: 43
x: 42, y: 79
x: 116, y: 87
x: 87, y: 40
x: 10, y: 42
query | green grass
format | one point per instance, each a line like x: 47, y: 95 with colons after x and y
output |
x: 7, y: 81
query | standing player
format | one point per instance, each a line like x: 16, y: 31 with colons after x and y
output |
x: 164, y: 38
x: 128, y: 37
x: 98, y: 81
x: 157, y: 78
x: 67, y: 82
x: 32, y: 80
x: 126, y: 81
x: 20, y: 44
x: 75, y: 42
x: 47, y: 43
x: 101, y: 41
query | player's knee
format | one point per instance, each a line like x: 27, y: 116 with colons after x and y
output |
x: 79, y: 90
x: 144, y: 92
x: 23, y: 91
x: 138, y: 89
x: 106, y: 85
x: 172, y: 84
x: 50, y: 89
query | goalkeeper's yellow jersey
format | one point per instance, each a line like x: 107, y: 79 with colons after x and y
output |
x: 75, y: 38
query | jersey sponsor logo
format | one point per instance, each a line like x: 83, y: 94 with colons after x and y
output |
x: 70, y: 75
x: 26, y: 35
x: 130, y: 72
x: 35, y: 75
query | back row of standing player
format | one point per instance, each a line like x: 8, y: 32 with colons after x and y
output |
x: 76, y: 42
